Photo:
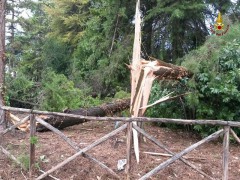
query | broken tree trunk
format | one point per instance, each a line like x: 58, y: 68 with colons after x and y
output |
x: 103, y: 110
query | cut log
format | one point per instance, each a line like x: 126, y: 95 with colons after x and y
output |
x: 100, y: 111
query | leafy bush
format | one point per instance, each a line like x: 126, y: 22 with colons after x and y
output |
x: 168, y: 109
x: 216, y: 83
x: 20, y: 88
x: 59, y: 93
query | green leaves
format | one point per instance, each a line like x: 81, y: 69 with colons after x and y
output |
x: 177, y: 13
x: 217, y: 79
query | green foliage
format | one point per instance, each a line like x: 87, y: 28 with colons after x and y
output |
x: 34, y: 140
x: 171, y: 109
x: 21, y: 88
x: 59, y: 93
x: 56, y: 55
x: 122, y: 94
x: 216, y: 83
x: 24, y: 160
x: 68, y: 49
x: 104, y: 47
x: 176, y: 33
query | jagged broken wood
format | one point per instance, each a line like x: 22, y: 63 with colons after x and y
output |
x: 143, y: 73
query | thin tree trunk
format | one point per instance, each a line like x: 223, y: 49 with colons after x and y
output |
x: 2, y: 54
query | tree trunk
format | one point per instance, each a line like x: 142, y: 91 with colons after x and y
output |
x: 2, y: 54
x: 103, y: 110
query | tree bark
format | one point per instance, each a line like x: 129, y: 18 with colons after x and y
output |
x: 2, y: 55
x: 103, y: 110
x: 2, y: 49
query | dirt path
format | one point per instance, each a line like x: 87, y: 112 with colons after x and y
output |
x: 51, y: 150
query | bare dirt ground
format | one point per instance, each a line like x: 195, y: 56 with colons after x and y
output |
x: 51, y: 150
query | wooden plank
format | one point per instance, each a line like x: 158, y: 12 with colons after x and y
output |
x: 162, y: 146
x: 225, y: 152
x: 97, y: 142
x: 129, y: 119
x: 235, y: 136
x: 179, y: 155
x: 129, y: 145
x: 32, y: 145
x: 72, y: 144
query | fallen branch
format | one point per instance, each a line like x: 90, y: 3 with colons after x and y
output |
x: 170, y: 155
x: 49, y: 175
x: 165, y: 98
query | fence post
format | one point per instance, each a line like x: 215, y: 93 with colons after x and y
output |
x: 129, y: 144
x: 32, y: 145
x: 225, y: 158
x: 3, y: 120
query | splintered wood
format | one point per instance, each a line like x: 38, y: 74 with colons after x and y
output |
x: 143, y: 73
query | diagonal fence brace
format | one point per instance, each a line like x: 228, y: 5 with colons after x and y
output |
x: 97, y: 142
x: 71, y: 143
x: 182, y: 153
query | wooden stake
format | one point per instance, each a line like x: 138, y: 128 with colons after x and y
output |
x: 97, y: 142
x: 129, y: 145
x: 72, y: 144
x: 3, y: 120
x: 235, y: 136
x: 32, y: 145
x: 179, y: 155
x: 225, y: 152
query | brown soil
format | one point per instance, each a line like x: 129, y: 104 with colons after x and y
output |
x: 53, y: 150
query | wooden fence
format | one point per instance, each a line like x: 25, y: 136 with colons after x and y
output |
x: 129, y: 125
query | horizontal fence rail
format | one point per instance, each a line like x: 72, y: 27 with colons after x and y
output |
x: 128, y: 119
x: 128, y: 124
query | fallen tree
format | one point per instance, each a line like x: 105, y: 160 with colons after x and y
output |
x: 100, y: 111
x: 63, y: 122
x: 161, y: 70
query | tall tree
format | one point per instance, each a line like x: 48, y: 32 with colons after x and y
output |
x: 2, y: 50
x: 105, y: 46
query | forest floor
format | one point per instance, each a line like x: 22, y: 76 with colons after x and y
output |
x: 51, y: 150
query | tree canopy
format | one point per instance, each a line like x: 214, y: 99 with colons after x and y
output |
x: 61, y: 49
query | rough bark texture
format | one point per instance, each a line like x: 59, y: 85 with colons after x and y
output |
x: 103, y: 110
x: 2, y: 49
x: 170, y: 71
x: 2, y: 59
